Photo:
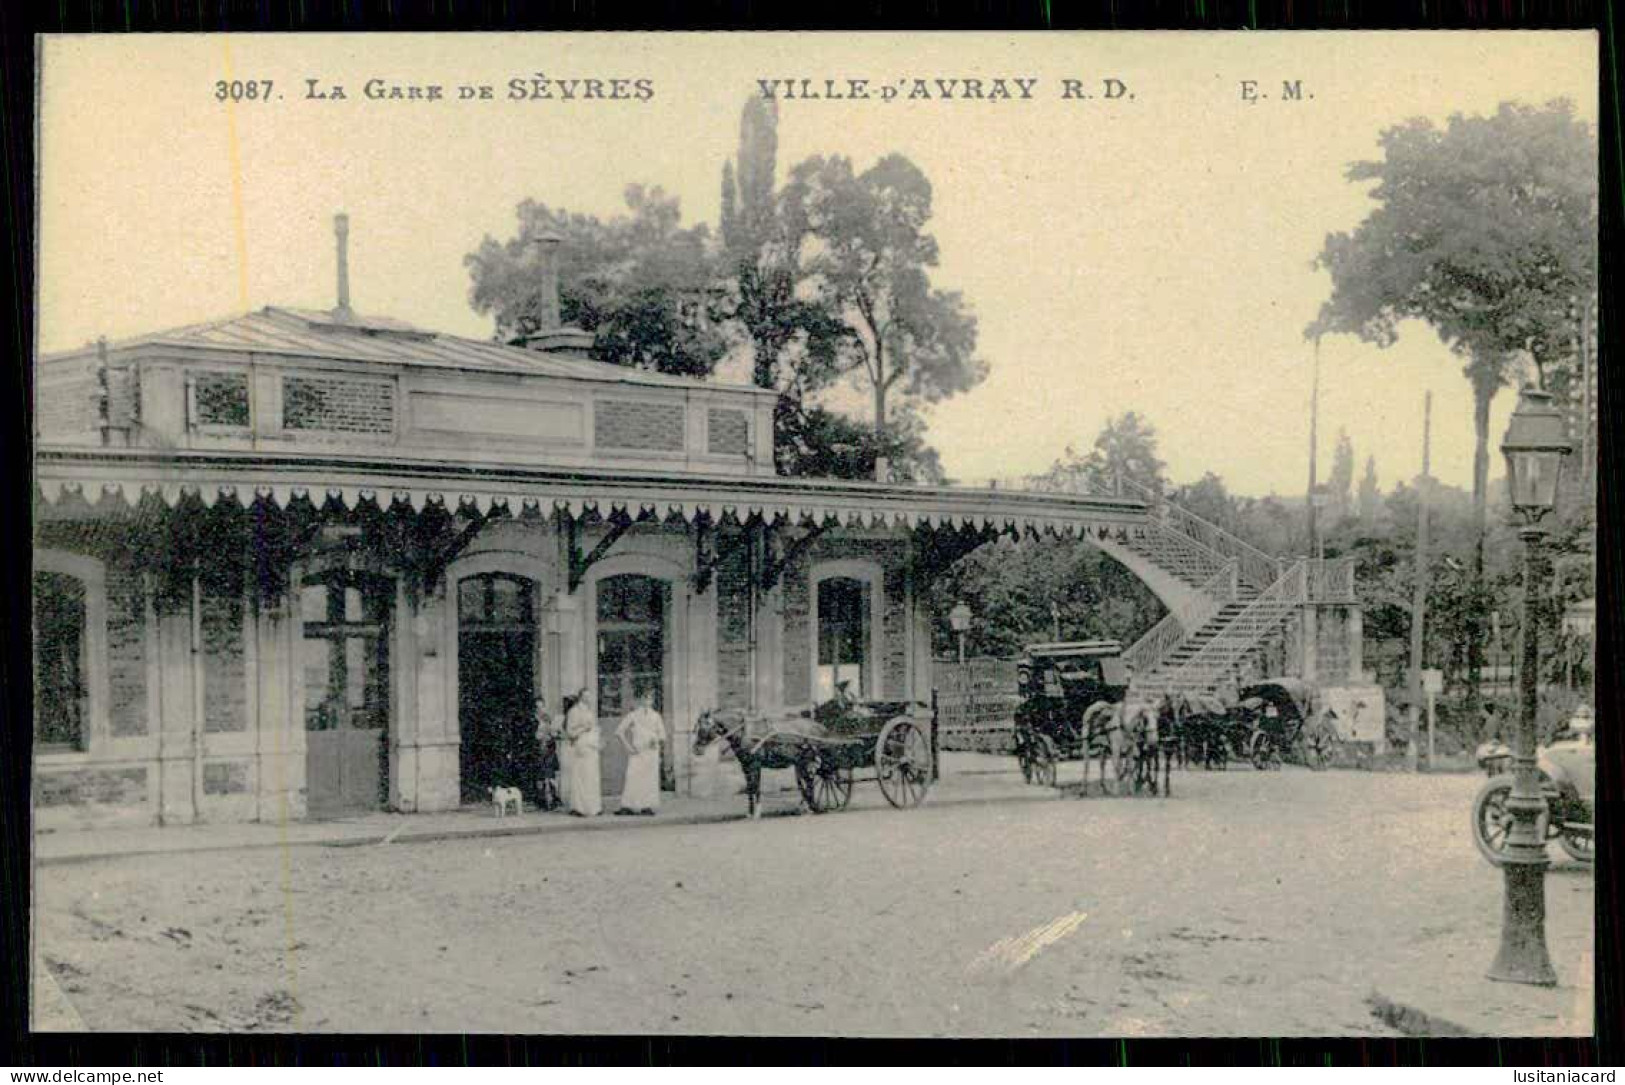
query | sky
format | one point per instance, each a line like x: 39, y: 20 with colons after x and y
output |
x: 1153, y: 253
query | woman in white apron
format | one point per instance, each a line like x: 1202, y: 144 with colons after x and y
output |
x: 581, y: 730
x: 642, y: 732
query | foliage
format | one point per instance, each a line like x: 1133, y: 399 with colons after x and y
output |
x: 1126, y: 447
x: 862, y: 253
x: 639, y: 282
x: 1340, y: 485
x: 1369, y: 498
x: 1485, y: 230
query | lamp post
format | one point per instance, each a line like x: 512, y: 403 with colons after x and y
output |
x: 959, y: 619
x: 1534, y: 447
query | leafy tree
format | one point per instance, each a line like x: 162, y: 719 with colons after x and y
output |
x: 639, y: 282
x: 864, y: 256
x: 1369, y: 498
x: 1485, y: 230
x: 1341, y: 482
x: 1125, y: 447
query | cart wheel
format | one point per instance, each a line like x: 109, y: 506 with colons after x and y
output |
x: 825, y: 785
x: 1319, y: 748
x: 1580, y: 846
x: 1043, y: 761
x: 903, y: 763
x: 1491, y: 821
x: 1263, y: 753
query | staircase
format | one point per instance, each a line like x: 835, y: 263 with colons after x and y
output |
x: 1242, y: 596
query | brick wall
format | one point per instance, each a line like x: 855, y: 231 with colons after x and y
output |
x: 225, y: 686
x: 126, y: 652
x: 338, y: 405
x: 68, y: 401
x: 103, y: 787
x: 727, y: 432
x: 655, y: 427
x: 732, y: 585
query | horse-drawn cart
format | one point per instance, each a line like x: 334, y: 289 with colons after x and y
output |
x: 828, y: 747
x: 1286, y: 720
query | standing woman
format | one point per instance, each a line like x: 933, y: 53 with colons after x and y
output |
x: 642, y: 732
x: 548, y: 743
x: 581, y: 734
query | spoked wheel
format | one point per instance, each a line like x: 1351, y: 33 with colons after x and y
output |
x: 1263, y: 752
x: 1491, y: 820
x: 825, y: 785
x: 1580, y: 845
x: 903, y: 763
x: 1319, y: 747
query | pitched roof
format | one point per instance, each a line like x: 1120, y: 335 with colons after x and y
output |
x: 360, y: 338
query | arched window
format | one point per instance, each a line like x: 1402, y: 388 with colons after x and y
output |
x: 61, y: 663
x: 844, y: 639
x: 631, y: 613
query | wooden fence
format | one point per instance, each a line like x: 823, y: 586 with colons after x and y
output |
x: 976, y: 704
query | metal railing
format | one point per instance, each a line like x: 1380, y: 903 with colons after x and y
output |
x: 1256, y: 568
x: 1262, y: 614
x: 1331, y: 580
x: 1145, y: 654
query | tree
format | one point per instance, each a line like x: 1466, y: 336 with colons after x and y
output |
x: 1484, y: 230
x: 639, y: 282
x: 1369, y: 498
x: 1126, y: 448
x: 864, y: 257
x: 1341, y: 482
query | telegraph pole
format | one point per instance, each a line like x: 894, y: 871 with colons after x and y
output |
x: 1419, y: 597
x: 1314, y: 427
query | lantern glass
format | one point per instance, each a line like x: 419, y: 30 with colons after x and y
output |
x: 1532, y: 476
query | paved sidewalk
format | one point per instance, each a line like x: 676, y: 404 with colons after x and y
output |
x: 965, y: 778
x: 1451, y: 995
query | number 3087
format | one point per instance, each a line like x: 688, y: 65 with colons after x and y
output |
x: 242, y: 90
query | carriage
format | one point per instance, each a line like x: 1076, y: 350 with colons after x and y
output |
x: 1284, y: 719
x: 1069, y: 695
x: 828, y: 746
x: 1209, y: 730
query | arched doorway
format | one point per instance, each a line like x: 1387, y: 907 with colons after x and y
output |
x: 345, y: 658
x: 634, y: 647
x: 496, y: 683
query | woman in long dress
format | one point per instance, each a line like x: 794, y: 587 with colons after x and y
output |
x: 581, y: 731
x: 642, y: 732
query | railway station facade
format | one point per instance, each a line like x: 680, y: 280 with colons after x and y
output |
x: 300, y: 563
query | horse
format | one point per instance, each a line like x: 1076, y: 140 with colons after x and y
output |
x: 769, y: 752
x: 1103, y: 738
x: 1140, y: 727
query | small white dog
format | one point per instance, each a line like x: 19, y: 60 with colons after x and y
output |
x: 505, y: 799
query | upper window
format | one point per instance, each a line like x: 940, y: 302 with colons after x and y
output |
x: 61, y: 678
x: 843, y: 639
x: 220, y: 399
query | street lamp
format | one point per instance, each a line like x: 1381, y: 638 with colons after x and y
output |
x: 1534, y: 447
x: 959, y: 619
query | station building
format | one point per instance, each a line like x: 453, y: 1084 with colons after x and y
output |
x: 298, y: 564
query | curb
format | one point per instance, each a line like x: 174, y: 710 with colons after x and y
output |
x: 404, y: 834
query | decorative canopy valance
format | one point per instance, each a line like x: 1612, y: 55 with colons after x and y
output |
x: 125, y: 477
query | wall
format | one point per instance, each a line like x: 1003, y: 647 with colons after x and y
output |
x: 893, y: 646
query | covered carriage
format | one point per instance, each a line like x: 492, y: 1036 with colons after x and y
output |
x: 1285, y: 718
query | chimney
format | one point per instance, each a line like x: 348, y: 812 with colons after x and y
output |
x: 341, y: 234
x: 547, y: 247
x: 550, y: 335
